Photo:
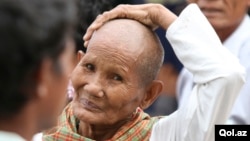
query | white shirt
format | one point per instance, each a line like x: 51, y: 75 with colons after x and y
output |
x: 217, y: 74
x: 10, y: 136
x: 238, y: 44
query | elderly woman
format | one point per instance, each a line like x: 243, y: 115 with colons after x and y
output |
x: 113, y: 83
x: 115, y: 80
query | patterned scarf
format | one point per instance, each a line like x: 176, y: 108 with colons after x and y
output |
x: 138, y: 129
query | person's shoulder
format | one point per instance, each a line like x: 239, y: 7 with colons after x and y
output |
x: 67, y: 122
x: 157, y: 118
x: 153, y: 119
x: 10, y: 136
x: 37, y: 137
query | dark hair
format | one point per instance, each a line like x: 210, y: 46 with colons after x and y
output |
x: 30, y: 31
x: 88, y: 10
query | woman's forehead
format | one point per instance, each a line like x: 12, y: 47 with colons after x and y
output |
x: 127, y: 35
x: 110, y: 56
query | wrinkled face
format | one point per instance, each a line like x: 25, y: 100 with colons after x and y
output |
x: 106, y: 83
x: 223, y: 13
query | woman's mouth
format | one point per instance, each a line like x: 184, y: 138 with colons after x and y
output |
x: 89, y: 105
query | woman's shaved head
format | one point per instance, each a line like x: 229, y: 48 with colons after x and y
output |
x: 117, y: 72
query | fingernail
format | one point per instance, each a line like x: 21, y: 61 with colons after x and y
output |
x: 86, y: 44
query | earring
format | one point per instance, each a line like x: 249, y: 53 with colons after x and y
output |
x: 134, y: 114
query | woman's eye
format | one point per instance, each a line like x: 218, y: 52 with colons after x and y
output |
x: 90, y: 67
x: 117, y: 77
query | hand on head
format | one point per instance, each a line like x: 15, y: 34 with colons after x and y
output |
x: 151, y: 15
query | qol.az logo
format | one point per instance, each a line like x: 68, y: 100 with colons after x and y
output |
x: 232, y: 133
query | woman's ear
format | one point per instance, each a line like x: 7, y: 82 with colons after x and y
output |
x: 80, y: 54
x: 153, y: 91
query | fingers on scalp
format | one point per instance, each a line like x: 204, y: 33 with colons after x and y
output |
x: 120, y: 11
x: 86, y: 44
x: 94, y: 26
x: 87, y: 36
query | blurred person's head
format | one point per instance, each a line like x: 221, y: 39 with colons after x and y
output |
x: 36, y: 50
x: 117, y: 74
x: 224, y: 15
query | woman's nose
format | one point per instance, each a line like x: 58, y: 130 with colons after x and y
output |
x: 94, y: 88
